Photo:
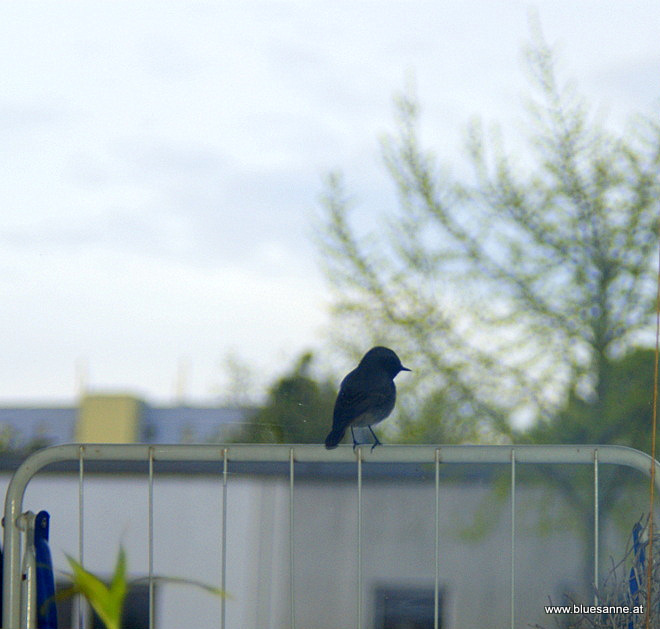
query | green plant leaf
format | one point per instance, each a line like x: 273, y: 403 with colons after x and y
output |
x: 215, y: 591
x: 107, y: 602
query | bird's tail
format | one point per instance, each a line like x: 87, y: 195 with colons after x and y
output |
x: 334, y: 437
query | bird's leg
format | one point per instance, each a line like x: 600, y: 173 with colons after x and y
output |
x: 376, y: 441
x: 355, y: 443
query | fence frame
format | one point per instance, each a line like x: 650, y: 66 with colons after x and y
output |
x: 511, y: 455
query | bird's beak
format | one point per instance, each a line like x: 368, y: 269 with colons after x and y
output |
x: 405, y: 368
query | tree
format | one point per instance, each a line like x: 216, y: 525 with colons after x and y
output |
x: 512, y: 288
x: 298, y: 409
x: 626, y: 403
x: 625, y: 420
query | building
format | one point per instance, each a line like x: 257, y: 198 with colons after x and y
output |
x: 116, y: 418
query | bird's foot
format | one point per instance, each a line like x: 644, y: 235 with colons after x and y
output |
x: 376, y: 441
x: 355, y: 443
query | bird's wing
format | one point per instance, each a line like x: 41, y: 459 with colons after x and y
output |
x: 353, y: 401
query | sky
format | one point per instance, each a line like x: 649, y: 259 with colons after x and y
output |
x: 162, y: 164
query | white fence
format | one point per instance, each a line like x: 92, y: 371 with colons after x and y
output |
x: 225, y: 455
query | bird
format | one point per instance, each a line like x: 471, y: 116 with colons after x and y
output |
x: 366, y: 395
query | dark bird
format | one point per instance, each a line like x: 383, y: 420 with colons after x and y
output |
x: 366, y: 395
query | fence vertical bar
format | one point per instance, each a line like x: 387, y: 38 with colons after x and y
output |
x: 223, y: 566
x: 151, y: 538
x: 596, y: 527
x: 513, y: 537
x: 80, y: 602
x: 359, y: 537
x: 436, y: 589
x: 291, y: 543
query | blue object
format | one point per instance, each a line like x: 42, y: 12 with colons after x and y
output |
x: 640, y: 555
x: 2, y: 573
x: 46, y: 608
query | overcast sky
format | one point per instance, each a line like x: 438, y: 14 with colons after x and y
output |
x: 162, y: 163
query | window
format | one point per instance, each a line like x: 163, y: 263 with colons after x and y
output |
x: 406, y: 608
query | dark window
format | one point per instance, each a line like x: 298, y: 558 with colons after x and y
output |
x: 406, y: 608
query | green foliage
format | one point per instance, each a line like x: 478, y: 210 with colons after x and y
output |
x: 298, y: 409
x: 517, y: 292
x: 622, y: 415
x: 106, y: 601
x: 420, y: 423
x: 7, y: 438
x: 511, y: 288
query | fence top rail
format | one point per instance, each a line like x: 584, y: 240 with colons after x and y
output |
x: 549, y: 454
x: 442, y: 454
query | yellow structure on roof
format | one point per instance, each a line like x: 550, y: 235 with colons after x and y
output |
x: 108, y: 419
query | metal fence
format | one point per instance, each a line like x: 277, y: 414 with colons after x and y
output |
x: 226, y: 455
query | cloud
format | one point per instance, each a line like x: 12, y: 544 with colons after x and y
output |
x: 133, y: 316
x: 161, y: 166
x: 631, y: 84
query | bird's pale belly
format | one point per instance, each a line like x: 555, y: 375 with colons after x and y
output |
x: 369, y: 419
